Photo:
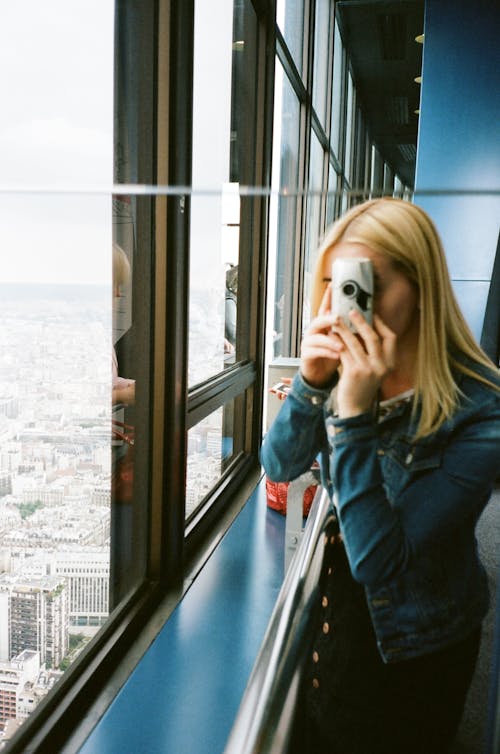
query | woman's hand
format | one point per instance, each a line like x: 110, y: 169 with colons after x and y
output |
x: 366, y: 359
x: 320, y: 348
x: 124, y: 394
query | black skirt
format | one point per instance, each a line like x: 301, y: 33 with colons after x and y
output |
x: 351, y: 702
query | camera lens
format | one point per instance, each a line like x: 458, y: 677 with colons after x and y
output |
x: 349, y: 289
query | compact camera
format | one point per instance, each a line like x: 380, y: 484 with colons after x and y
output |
x: 352, y: 288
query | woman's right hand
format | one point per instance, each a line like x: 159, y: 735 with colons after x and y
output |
x: 320, y: 348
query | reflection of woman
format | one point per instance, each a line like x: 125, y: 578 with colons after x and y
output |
x: 123, y: 388
x: 410, y: 443
x: 230, y: 309
x: 122, y: 560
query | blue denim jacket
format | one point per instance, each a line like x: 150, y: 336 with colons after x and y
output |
x: 407, y: 509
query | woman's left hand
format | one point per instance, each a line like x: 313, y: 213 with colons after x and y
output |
x: 367, y: 358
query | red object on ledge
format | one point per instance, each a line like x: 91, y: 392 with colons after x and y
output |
x: 277, y: 495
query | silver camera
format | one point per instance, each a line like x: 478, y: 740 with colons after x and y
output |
x: 352, y: 288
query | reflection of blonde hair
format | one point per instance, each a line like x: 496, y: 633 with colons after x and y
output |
x: 405, y: 233
x: 121, y: 266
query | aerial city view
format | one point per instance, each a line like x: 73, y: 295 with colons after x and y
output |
x: 55, y: 456
x: 55, y: 483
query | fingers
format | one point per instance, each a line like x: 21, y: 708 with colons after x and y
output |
x: 377, y: 343
x: 325, y: 305
x: 321, y: 346
x: 322, y: 325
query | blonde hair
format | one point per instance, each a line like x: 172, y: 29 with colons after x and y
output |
x: 405, y: 234
x: 121, y: 266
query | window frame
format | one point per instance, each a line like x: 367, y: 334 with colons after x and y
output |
x: 165, y: 408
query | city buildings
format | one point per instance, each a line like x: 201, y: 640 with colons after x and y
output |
x: 55, y: 482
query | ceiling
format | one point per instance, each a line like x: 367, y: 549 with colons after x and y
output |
x: 380, y: 36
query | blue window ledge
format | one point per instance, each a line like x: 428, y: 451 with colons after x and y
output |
x: 184, y: 694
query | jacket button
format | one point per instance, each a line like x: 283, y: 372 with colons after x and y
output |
x: 409, y: 458
x: 315, y: 657
x: 326, y: 627
x: 324, y: 602
x: 381, y: 452
x: 315, y: 683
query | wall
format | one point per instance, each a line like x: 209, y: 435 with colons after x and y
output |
x: 459, y: 144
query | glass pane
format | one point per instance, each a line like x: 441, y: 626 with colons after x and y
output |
x: 283, y: 221
x: 377, y: 177
x: 290, y: 19
x: 212, y: 444
x: 210, y: 257
x: 223, y: 96
x: 66, y: 551
x: 321, y: 40
x: 337, y: 90
x: 55, y: 447
x: 359, y: 156
x: 213, y: 284
x: 129, y: 507
x: 331, y: 202
x: 398, y: 187
x: 388, y: 179
x: 368, y: 161
x: 349, y: 129
x: 314, y: 200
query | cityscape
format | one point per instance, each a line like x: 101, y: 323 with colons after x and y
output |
x: 55, y: 467
x: 55, y: 484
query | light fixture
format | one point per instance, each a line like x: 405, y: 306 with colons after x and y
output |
x: 418, y: 79
x: 420, y: 38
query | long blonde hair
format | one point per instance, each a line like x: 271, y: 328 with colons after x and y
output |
x: 405, y: 234
x: 121, y: 266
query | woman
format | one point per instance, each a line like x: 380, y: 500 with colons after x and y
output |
x: 409, y: 442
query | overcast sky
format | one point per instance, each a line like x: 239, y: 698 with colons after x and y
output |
x: 56, y: 86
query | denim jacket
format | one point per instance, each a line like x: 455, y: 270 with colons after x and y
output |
x: 407, y: 509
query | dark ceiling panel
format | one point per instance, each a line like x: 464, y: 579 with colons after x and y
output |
x: 386, y: 59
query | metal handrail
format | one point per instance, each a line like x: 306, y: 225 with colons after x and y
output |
x: 264, y: 719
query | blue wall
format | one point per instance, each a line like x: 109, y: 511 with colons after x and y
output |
x: 459, y: 141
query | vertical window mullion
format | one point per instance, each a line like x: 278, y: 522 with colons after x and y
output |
x: 177, y: 284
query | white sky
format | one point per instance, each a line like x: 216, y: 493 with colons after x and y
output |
x: 56, y: 89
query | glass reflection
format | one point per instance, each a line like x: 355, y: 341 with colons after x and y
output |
x: 55, y: 459
x: 55, y: 340
x: 284, y: 208
x: 313, y: 216
x: 321, y: 44
x: 290, y: 19
x: 337, y: 90
x: 215, y: 207
x: 211, y: 446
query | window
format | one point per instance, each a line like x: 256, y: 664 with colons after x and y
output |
x: 56, y: 312
x: 313, y: 227
x: 350, y: 129
x: 337, y: 94
x: 220, y: 241
x: 321, y: 58
x: 284, y: 209
x: 120, y: 489
x: 290, y: 20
